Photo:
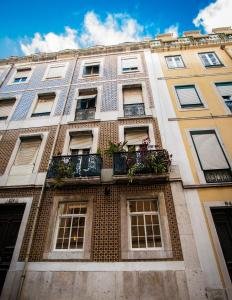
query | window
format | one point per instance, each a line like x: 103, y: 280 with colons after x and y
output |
x: 81, y: 142
x: 56, y: 71
x: 26, y: 156
x: 225, y: 90
x: 211, y: 156
x: 71, y: 226
x: 86, y: 105
x: 130, y: 64
x: 6, y: 106
x: 44, y: 105
x: 188, y: 96
x: 210, y: 59
x: 135, y: 136
x: 133, y: 101
x: 174, y: 62
x: 22, y: 75
x: 91, y: 69
x: 144, y: 224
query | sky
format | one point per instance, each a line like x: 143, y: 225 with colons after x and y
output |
x: 28, y: 27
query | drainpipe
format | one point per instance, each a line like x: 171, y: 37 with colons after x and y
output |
x: 25, y: 268
x: 223, y: 47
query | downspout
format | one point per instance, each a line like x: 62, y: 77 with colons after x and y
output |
x: 25, y: 268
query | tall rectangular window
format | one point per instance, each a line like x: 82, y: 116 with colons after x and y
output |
x: 225, y: 90
x: 6, y: 107
x: 211, y: 156
x: 86, y: 104
x: 56, y: 71
x: 44, y: 105
x: 133, y: 101
x: 174, y: 62
x: 22, y: 75
x: 210, y: 59
x: 81, y: 142
x: 144, y: 224
x: 26, y: 156
x: 136, y: 136
x: 71, y: 226
x: 130, y: 64
x: 188, y: 96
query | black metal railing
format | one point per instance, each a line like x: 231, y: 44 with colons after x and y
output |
x: 218, y: 176
x: 145, y: 162
x: 85, y: 114
x: 131, y: 110
x: 71, y: 166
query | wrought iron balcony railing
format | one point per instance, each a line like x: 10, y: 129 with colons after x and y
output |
x: 218, y: 176
x: 85, y: 114
x: 71, y: 166
x: 131, y: 110
x: 143, y: 162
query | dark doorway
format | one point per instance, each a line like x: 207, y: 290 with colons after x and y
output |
x: 10, y: 220
x: 222, y: 217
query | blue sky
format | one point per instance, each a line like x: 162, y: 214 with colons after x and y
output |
x: 83, y: 23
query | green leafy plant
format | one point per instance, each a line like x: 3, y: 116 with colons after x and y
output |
x: 62, y: 169
x: 114, y: 148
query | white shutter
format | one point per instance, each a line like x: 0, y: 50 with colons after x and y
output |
x: 136, y: 136
x: 87, y: 97
x: 132, y: 95
x: 225, y: 88
x: 209, y: 151
x: 55, y: 71
x: 178, y: 61
x: 129, y: 63
x: 6, y: 106
x: 170, y: 62
x: 187, y: 95
x: 174, y: 62
x: 23, y: 72
x: 26, y: 157
x: 81, y: 141
x: 44, y: 104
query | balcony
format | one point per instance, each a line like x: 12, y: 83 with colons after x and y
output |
x: 85, y: 114
x: 75, y: 169
x: 148, y: 165
x: 218, y: 176
x: 132, y: 110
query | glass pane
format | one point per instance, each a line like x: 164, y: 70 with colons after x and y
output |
x: 141, y: 231
x: 158, y: 241
x: 147, y: 205
x: 81, y: 232
x: 133, y: 206
x: 149, y: 230
x: 156, y: 230
x: 82, y: 222
x: 133, y: 220
x: 154, y: 205
x: 135, y: 243
x: 83, y: 210
x: 139, y: 206
x: 155, y: 219
x: 75, y: 222
x: 65, y: 244
x: 61, y: 233
x: 140, y: 220
x: 142, y: 242
x: 59, y: 244
x: 134, y: 231
x: 73, y: 243
x: 80, y: 243
x: 150, y: 242
x: 66, y: 232
x: 148, y: 219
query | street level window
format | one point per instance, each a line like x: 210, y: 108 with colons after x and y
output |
x: 71, y: 226
x: 145, y: 224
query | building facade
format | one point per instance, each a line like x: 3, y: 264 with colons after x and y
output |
x: 101, y: 193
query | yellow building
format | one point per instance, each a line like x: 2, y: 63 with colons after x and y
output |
x: 193, y: 94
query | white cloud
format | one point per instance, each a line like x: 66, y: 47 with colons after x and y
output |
x: 216, y: 14
x: 172, y: 29
x: 116, y: 28
x: 51, y: 42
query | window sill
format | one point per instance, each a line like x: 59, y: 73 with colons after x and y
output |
x: 89, y: 76
x: 74, y: 254
x: 147, y: 254
x: 135, y: 117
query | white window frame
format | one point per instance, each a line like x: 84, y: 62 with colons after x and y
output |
x: 33, y: 176
x: 227, y: 110
x: 11, y: 80
x: 197, y: 165
x: 69, y: 132
x: 120, y: 58
x: 203, y: 101
x: 17, y: 99
x: 85, y: 62
x: 173, y: 60
x: 221, y: 64
x: 58, y: 63
x: 50, y: 251
x: 34, y: 103
x: 152, y: 213
x: 59, y: 216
